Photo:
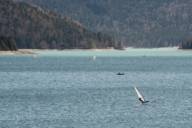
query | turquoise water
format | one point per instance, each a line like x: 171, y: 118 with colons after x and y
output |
x: 130, y: 52
x: 68, y: 89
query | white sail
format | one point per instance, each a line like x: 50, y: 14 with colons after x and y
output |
x: 139, y: 94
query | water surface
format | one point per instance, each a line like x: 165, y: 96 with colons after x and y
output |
x: 68, y: 89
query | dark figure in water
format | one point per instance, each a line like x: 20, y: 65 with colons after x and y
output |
x: 120, y: 73
x: 143, y: 101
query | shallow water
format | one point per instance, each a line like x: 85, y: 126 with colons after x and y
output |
x: 68, y: 89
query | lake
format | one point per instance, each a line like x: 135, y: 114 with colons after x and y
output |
x: 74, y: 89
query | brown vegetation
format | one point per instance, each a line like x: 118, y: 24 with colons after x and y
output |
x: 33, y: 27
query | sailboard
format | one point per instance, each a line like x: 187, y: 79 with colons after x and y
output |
x: 140, y: 96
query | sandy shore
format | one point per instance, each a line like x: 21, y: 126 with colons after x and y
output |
x: 19, y: 52
x: 39, y: 51
x: 35, y: 51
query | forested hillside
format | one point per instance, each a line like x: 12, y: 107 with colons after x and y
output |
x: 33, y: 27
x: 7, y: 44
x: 186, y: 44
x: 142, y: 23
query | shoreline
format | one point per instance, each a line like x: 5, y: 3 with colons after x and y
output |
x: 19, y: 52
x: 131, y: 49
x: 35, y: 51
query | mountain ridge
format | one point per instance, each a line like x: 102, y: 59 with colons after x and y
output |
x: 145, y: 23
x: 34, y: 27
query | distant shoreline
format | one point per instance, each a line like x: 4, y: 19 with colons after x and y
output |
x: 36, y: 51
x: 19, y: 52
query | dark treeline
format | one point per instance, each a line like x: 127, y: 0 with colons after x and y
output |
x: 33, y: 27
x: 186, y: 44
x: 7, y: 44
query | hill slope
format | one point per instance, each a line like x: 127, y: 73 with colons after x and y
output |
x: 7, y: 44
x: 32, y: 27
x: 142, y: 23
